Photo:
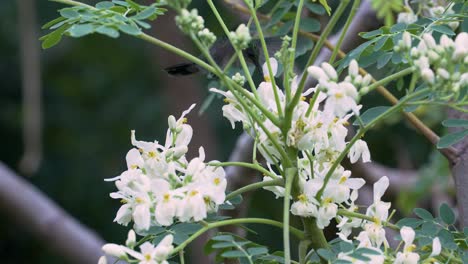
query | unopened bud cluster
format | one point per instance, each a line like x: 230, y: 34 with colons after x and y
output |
x: 430, y: 9
x: 441, y: 65
x: 191, y: 23
x: 241, y: 37
x: 239, y: 79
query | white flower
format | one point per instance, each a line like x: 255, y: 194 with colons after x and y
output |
x: 304, y: 206
x: 379, y: 209
x: 274, y: 69
x: 233, y: 111
x: 407, y: 256
x: 359, y: 149
x: 114, y: 250
x: 327, y: 211
x: 341, y: 99
x: 193, y: 206
x: 153, y: 255
x: 166, y: 208
x: 277, y: 190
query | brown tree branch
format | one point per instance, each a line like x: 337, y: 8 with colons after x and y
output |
x: 44, y: 219
x: 31, y: 87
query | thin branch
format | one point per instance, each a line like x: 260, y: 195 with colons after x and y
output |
x: 49, y: 223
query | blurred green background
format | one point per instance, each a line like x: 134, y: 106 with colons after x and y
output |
x: 94, y: 91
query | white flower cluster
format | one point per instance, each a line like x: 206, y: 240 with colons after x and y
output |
x: 440, y: 65
x: 161, y: 186
x: 373, y: 234
x: 148, y: 254
x: 320, y: 135
x: 433, y: 9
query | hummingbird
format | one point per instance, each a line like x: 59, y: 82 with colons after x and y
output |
x: 222, y: 51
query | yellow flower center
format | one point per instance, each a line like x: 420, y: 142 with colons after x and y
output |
x: 123, y: 201
x: 148, y: 257
x: 184, y: 120
x: 327, y: 200
x: 302, y: 198
x: 303, y: 98
x: 166, y: 197
x: 152, y: 154
x: 216, y: 181
x: 339, y: 95
x: 267, y: 78
x: 139, y: 200
x: 133, y: 167
x: 193, y: 193
x: 343, y: 179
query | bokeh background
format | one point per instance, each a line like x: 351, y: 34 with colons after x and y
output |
x: 94, y: 91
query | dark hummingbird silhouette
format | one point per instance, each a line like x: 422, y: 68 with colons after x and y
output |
x: 222, y: 51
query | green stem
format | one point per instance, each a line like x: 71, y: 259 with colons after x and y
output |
x: 245, y: 165
x: 296, y: 232
x: 290, y: 172
x: 239, y: 54
x: 361, y: 132
x: 343, y: 212
x: 344, y: 30
x: 254, y: 186
x: 267, y: 58
x: 388, y: 79
x: 292, y: 57
x: 318, y: 46
x: 303, y: 246
x: 181, y: 257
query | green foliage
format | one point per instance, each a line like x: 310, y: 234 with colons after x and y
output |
x: 386, y: 9
x: 371, y: 114
x: 106, y: 18
x: 452, y: 138
x: 428, y: 227
x: 230, y: 246
x: 379, y: 47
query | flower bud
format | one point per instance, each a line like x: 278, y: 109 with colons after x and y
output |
x: 102, y: 260
x: 330, y: 71
x: 446, y: 42
x: 367, y: 80
x: 239, y: 79
x: 172, y: 122
x: 114, y: 250
x: 429, y: 40
x: 461, y: 47
x: 427, y: 75
x: 406, y: 40
x: 433, y: 56
x: 180, y: 151
x: 443, y: 73
x: 353, y: 68
x: 317, y: 73
x: 131, y: 239
x: 241, y: 37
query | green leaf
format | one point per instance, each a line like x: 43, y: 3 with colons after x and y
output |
x: 81, y: 30
x: 371, y: 34
x: 326, y: 254
x: 398, y: 27
x: 255, y: 251
x: 108, y: 31
x: 223, y: 238
x: 104, y: 5
x: 233, y: 254
x: 455, y: 123
x: 54, y: 37
x: 53, y: 22
x: 367, y: 251
x: 443, y: 29
x: 384, y: 59
x: 380, y: 43
x: 450, y: 139
x: 315, y: 8
x: 130, y: 29
x: 370, y: 114
x: 229, y: 244
x: 423, y: 214
x: 309, y: 25
x: 69, y: 13
x: 446, y: 214
x: 410, y: 222
x: 346, y: 246
x: 148, y: 12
